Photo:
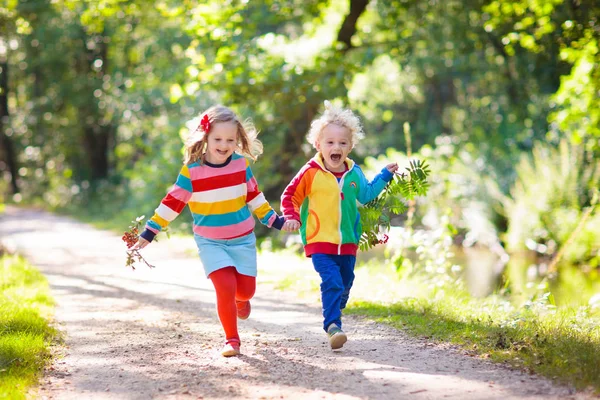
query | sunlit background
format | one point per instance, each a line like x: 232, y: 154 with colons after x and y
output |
x: 499, y: 97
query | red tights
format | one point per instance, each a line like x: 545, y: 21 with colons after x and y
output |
x: 231, y: 286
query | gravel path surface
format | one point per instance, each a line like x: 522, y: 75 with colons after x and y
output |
x: 154, y: 334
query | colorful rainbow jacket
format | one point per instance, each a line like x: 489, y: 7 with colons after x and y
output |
x: 327, y: 208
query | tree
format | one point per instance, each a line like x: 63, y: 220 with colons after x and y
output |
x: 570, y: 31
x: 7, y: 148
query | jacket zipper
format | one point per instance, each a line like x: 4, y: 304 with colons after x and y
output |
x: 340, y: 185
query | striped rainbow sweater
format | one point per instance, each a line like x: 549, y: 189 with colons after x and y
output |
x: 221, y: 199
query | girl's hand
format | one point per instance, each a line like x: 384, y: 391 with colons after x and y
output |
x: 141, y: 243
x: 393, y: 167
x: 291, y: 225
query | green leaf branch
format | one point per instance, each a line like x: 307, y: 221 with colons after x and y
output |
x: 376, y: 215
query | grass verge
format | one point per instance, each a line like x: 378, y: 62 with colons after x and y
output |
x: 25, y: 333
x: 563, y: 345
x: 560, y: 343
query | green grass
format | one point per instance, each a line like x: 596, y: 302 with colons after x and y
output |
x: 562, y: 345
x: 25, y: 334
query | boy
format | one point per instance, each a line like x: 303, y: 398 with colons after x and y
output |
x: 321, y: 201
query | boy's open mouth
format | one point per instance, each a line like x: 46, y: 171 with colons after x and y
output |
x: 336, y: 157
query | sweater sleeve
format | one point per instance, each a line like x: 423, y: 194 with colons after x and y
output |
x: 258, y: 204
x: 370, y: 190
x: 170, y: 206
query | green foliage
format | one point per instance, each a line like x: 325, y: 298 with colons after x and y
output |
x: 553, y: 188
x: 577, y: 111
x: 568, y: 33
x: 102, y: 99
x: 375, y: 216
x: 448, y: 80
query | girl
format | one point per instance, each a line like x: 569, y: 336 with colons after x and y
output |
x: 321, y: 201
x: 221, y: 191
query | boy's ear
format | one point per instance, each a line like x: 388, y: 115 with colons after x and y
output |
x: 317, y: 145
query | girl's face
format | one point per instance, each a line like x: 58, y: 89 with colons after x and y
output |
x: 334, y: 144
x: 222, y: 142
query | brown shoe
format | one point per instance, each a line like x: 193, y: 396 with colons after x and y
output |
x: 337, y: 337
x: 243, y: 309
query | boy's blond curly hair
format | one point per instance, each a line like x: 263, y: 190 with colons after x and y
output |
x: 338, y: 116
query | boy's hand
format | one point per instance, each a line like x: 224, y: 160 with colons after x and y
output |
x: 291, y: 225
x: 393, y: 167
x: 141, y: 243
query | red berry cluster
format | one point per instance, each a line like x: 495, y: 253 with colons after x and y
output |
x: 376, y: 241
x: 384, y: 240
x: 130, y: 237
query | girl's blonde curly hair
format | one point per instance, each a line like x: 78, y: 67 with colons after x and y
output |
x: 338, y: 116
x: 196, y: 142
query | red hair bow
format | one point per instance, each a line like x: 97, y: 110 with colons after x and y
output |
x: 205, y: 123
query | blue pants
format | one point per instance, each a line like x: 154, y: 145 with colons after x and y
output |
x: 337, y: 276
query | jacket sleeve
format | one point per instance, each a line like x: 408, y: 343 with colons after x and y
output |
x: 258, y: 204
x: 294, y: 194
x: 170, y: 206
x: 370, y: 190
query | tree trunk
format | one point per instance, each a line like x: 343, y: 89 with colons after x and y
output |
x: 96, y: 145
x: 348, y: 28
x: 6, y: 145
x: 96, y: 134
x: 299, y: 127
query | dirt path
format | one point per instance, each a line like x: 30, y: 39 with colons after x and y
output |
x: 154, y: 334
